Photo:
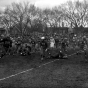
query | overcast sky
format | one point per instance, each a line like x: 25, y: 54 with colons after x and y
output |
x: 39, y: 3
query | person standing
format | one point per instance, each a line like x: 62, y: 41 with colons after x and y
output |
x: 44, y: 46
x: 56, y: 42
x: 6, y: 44
x: 52, y: 42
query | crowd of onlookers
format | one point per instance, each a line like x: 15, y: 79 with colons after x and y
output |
x: 26, y: 45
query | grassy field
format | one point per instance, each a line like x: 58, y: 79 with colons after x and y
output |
x: 70, y: 73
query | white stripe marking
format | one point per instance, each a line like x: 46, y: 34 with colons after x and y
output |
x: 16, y: 74
x: 33, y: 68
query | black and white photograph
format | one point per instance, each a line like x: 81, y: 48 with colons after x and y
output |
x: 43, y: 43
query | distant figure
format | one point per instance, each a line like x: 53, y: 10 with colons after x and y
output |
x: 63, y: 46
x: 52, y: 42
x: 25, y: 49
x: 44, y: 46
x: 7, y: 44
x: 83, y: 48
x: 56, y: 42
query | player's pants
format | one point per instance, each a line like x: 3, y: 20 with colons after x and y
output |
x: 43, y: 50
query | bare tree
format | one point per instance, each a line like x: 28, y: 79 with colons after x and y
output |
x: 57, y: 16
x: 5, y: 21
x: 75, y: 12
x: 20, y: 16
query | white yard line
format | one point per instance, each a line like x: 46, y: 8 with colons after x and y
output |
x: 33, y: 68
x: 16, y: 74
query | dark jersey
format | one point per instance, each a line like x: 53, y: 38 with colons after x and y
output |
x: 43, y: 44
x: 56, y: 42
x: 33, y: 43
x: 7, y: 42
x: 82, y: 45
x: 63, y: 44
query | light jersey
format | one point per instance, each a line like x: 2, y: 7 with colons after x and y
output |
x: 86, y: 39
x: 52, y: 43
x: 85, y: 47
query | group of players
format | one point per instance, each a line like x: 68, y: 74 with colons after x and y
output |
x: 9, y: 45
